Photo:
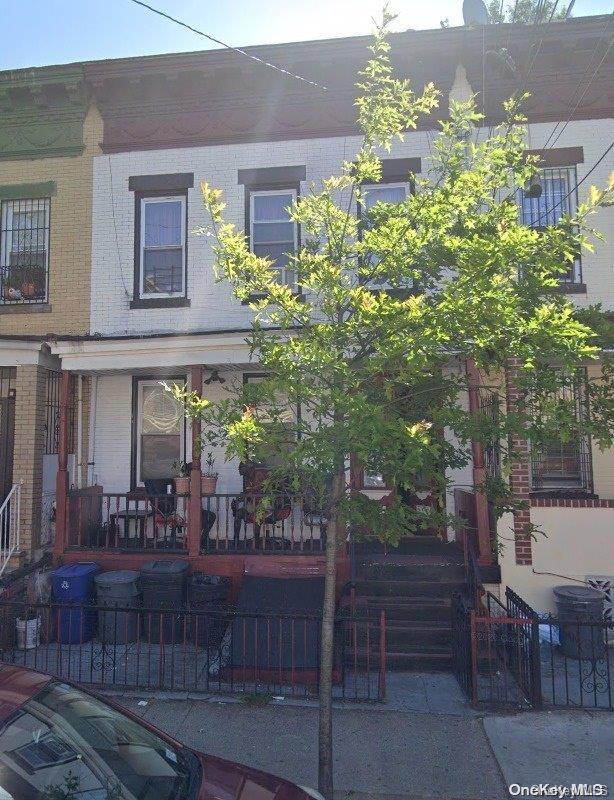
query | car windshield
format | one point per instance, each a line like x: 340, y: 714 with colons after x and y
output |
x: 64, y: 744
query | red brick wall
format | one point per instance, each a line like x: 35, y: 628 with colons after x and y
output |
x: 519, y: 476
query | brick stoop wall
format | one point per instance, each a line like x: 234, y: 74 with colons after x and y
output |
x: 519, y: 476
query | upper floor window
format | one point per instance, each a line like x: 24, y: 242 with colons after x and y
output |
x: 381, y: 193
x: 273, y: 234
x: 552, y: 194
x: 160, y: 236
x: 24, y: 251
x: 162, y: 246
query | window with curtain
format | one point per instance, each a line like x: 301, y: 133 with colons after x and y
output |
x: 381, y: 193
x: 160, y: 438
x: 163, y: 246
x: 272, y: 233
x: 24, y: 250
x: 558, y: 197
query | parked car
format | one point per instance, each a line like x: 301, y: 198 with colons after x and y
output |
x: 61, y: 742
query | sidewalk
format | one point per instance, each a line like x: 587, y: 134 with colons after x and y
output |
x: 418, y: 749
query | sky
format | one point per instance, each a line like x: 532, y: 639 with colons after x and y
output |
x: 42, y: 32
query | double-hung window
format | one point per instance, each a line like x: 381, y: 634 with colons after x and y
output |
x: 552, y: 194
x: 24, y: 251
x: 160, y: 239
x: 162, y: 246
x: 273, y: 234
x: 381, y: 193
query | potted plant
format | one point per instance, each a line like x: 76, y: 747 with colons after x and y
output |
x: 28, y: 290
x: 209, y: 476
x: 182, y: 478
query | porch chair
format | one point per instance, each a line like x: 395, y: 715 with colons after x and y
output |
x: 165, y: 511
x: 245, y: 508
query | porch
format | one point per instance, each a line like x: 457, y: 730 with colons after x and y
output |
x: 120, y: 504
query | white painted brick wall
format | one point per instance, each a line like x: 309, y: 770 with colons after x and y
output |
x: 212, y: 305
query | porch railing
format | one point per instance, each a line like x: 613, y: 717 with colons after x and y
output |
x: 252, y: 523
x: 100, y: 520
x: 10, y: 511
x: 184, y: 649
x: 247, y: 523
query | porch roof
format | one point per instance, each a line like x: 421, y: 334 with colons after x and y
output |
x: 23, y: 351
x: 152, y: 352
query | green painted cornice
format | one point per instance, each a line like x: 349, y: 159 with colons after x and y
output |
x: 42, y: 112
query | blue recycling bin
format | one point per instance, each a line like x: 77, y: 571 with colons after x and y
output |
x: 73, y: 585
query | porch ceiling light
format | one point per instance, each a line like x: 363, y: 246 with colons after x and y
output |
x: 215, y: 377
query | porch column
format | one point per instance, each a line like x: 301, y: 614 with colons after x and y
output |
x: 61, y: 491
x: 479, y: 470
x: 195, y: 499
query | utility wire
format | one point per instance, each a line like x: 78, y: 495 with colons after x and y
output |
x: 228, y: 46
x: 579, y: 183
x: 584, y: 93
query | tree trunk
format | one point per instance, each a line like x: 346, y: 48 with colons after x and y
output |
x: 325, y: 730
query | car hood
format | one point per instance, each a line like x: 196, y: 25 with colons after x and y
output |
x: 226, y: 780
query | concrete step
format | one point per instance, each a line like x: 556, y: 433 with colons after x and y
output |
x: 412, y: 545
x: 405, y: 636
x: 439, y: 570
x: 401, y: 608
x: 408, y: 588
x: 418, y: 661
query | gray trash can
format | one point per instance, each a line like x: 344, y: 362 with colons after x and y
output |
x: 580, y: 612
x: 117, y: 589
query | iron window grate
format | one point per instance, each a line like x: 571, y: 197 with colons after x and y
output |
x: 24, y: 251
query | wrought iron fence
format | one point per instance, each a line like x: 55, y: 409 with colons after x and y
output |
x: 519, y: 658
x: 132, y: 647
x: 461, y: 642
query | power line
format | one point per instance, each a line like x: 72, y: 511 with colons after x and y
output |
x: 586, y: 88
x: 228, y: 46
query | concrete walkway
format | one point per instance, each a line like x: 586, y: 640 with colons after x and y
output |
x: 424, y: 743
x: 386, y: 753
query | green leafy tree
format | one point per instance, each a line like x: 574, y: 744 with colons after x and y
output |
x: 379, y: 373
x: 526, y: 12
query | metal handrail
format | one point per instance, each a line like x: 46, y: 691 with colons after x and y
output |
x: 10, y: 512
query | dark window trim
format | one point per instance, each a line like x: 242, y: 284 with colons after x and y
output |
x: 136, y: 379
x: 558, y: 156
x: 157, y: 302
x: 163, y: 302
x: 269, y: 187
x: 397, y: 170
x: 28, y: 191
x: 172, y: 182
x: 256, y: 178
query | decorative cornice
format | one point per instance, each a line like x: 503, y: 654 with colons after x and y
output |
x: 42, y: 112
x: 217, y: 97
